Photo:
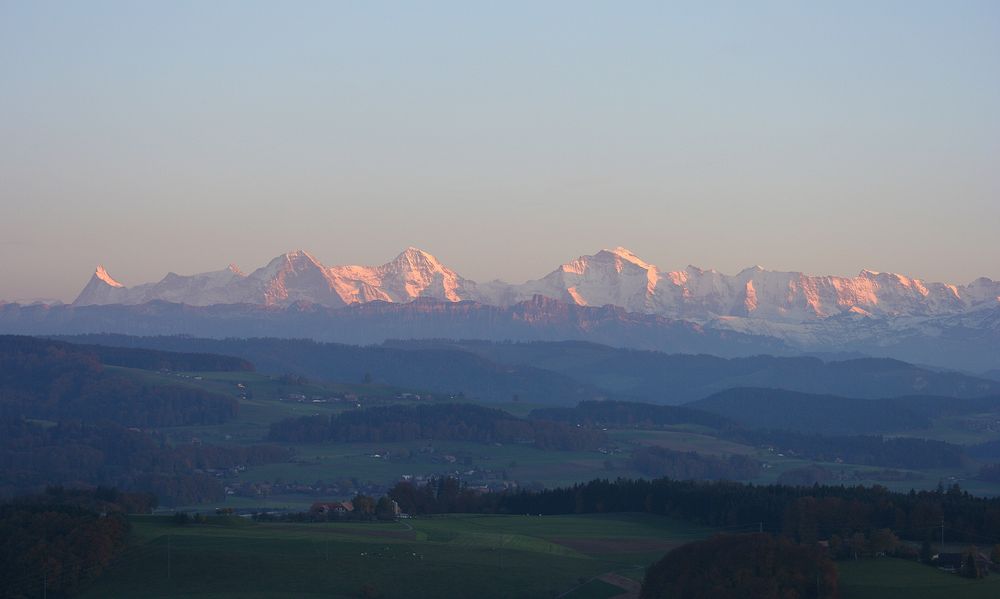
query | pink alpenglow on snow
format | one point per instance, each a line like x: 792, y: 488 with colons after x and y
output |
x: 610, y: 277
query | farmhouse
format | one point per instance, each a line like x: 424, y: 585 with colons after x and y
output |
x: 949, y: 562
x: 334, y: 507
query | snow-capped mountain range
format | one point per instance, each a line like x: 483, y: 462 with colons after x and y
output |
x: 754, y: 300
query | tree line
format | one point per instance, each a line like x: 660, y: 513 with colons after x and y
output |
x: 53, y: 544
x: 747, y: 566
x: 805, y: 514
x: 50, y: 380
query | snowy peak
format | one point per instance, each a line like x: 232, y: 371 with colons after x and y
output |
x: 415, y: 273
x: 414, y: 259
x: 102, y: 275
x: 618, y: 258
x: 626, y: 255
x: 294, y: 277
x: 615, y: 276
x: 295, y: 261
x: 101, y: 289
x: 609, y: 277
x: 412, y: 274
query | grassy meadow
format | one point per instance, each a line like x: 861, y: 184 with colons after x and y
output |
x: 899, y: 579
x: 443, y: 556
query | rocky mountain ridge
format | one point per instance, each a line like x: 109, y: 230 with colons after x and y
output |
x: 609, y: 277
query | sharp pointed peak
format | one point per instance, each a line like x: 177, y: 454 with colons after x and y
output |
x: 101, y: 274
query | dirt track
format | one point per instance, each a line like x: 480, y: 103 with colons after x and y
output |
x: 630, y: 587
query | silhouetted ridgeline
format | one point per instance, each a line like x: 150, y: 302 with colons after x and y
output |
x: 53, y: 380
x: 442, y: 422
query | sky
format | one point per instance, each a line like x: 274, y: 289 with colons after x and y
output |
x: 505, y: 138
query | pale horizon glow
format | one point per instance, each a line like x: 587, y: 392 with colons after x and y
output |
x: 505, y: 140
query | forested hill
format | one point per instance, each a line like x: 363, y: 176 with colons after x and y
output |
x: 54, y: 544
x: 148, y: 359
x: 143, y: 359
x: 53, y: 380
x: 830, y: 414
x: 565, y: 373
x: 438, y: 370
x: 664, y: 378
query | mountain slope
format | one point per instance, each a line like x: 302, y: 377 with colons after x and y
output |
x: 292, y: 277
x: 610, y: 277
x: 612, y: 297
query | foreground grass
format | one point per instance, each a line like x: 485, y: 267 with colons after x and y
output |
x: 900, y: 579
x: 453, y: 556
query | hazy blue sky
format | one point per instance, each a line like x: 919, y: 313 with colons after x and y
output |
x: 503, y: 137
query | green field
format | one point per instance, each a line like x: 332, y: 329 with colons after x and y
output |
x: 263, y: 405
x: 444, y: 556
x: 898, y: 579
x: 447, y: 556
x: 525, y: 464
